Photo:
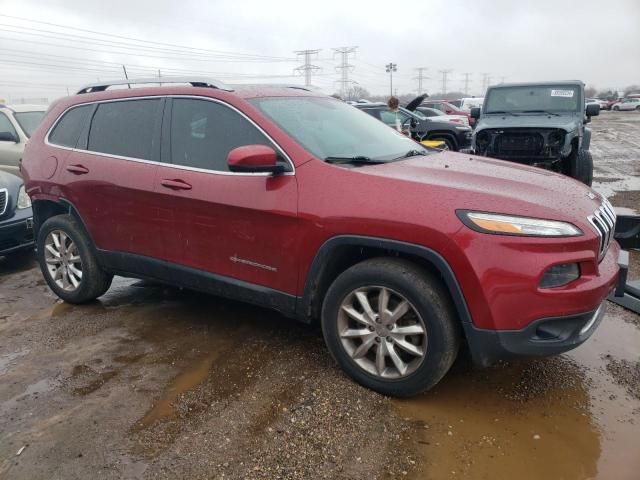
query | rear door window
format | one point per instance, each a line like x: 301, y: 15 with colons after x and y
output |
x: 68, y: 129
x: 125, y: 128
x: 203, y: 133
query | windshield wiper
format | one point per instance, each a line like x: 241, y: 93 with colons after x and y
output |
x: 502, y: 112
x: 541, y: 111
x: 411, y: 153
x: 361, y: 159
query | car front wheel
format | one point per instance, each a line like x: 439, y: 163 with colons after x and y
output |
x: 391, y: 327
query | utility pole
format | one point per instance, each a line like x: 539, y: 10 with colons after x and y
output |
x: 307, y: 68
x: 467, y: 75
x: 390, y: 68
x: 344, y: 68
x: 421, y: 77
x: 445, y: 74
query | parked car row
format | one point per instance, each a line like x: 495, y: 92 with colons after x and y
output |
x: 17, y: 123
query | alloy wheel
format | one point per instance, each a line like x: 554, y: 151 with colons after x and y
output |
x: 382, y: 332
x: 63, y: 260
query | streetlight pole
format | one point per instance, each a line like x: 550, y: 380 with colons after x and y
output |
x: 390, y: 68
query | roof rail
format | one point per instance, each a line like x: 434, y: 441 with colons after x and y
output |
x: 195, y: 82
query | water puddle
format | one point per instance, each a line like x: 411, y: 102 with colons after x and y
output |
x: 7, y: 359
x: 187, y: 379
x: 558, y: 418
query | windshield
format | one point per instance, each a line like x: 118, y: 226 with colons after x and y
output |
x: 29, y: 121
x: 330, y: 128
x: 556, y: 98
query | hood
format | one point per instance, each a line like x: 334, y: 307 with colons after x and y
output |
x: 486, y: 184
x: 567, y: 121
x: 415, y: 103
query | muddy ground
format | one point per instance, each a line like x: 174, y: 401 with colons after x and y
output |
x: 153, y: 382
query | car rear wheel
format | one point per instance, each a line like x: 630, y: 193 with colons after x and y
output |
x: 616, y: 108
x: 68, y: 263
x: 390, y: 326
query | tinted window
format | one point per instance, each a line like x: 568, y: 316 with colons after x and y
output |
x: 67, y: 130
x: 204, y: 132
x: 29, y: 121
x: 124, y: 128
x: 5, y: 125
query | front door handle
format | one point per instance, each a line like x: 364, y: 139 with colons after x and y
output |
x: 77, y: 169
x: 175, y: 184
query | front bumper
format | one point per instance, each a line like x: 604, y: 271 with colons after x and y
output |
x: 16, y: 233
x: 547, y: 336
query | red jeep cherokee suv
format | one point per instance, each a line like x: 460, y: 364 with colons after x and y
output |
x: 298, y: 202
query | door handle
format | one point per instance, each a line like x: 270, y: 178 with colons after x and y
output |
x: 77, y: 169
x: 175, y: 184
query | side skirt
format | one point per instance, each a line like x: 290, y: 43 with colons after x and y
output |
x: 138, y: 266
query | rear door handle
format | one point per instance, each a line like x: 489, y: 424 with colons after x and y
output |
x: 77, y: 169
x: 175, y: 184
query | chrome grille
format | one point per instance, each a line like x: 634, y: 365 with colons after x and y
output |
x: 4, y: 199
x: 604, y: 223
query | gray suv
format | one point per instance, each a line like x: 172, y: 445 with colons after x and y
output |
x: 537, y: 124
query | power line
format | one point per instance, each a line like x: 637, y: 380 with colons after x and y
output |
x: 344, y: 68
x: 307, y: 68
x: 132, y: 39
x: 445, y: 74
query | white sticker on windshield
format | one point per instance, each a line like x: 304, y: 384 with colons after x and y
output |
x: 562, y: 93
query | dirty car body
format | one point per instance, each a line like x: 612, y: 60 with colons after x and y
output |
x: 318, y: 210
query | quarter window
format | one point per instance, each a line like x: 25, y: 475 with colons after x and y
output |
x: 67, y: 130
x: 6, y: 125
x: 204, y: 132
x: 125, y: 128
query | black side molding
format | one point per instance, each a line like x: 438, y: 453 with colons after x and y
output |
x: 139, y: 266
x: 304, y: 306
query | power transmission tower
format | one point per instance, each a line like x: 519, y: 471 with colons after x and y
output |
x: 421, y: 77
x: 467, y: 75
x: 307, y: 69
x: 344, y: 68
x: 390, y: 68
x: 445, y: 74
x: 486, y: 79
x: 502, y: 79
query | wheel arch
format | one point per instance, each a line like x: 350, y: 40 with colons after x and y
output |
x: 340, y: 253
x: 43, y: 209
x: 443, y: 134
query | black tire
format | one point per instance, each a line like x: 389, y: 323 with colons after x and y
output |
x: 616, y: 108
x: 580, y: 166
x: 638, y: 108
x: 94, y: 282
x: 430, y: 300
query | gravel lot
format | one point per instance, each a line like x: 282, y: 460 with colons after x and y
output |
x: 153, y: 382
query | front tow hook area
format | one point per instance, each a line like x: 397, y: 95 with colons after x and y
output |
x: 627, y: 293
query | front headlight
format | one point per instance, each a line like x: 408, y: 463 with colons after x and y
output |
x: 512, y: 225
x: 23, y: 199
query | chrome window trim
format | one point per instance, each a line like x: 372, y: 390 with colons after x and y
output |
x: 6, y: 200
x: 173, y: 165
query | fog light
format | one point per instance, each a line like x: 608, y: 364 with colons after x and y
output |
x: 560, y: 275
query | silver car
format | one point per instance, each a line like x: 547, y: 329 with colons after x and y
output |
x: 17, y: 123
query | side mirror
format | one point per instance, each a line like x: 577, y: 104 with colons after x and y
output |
x: 475, y: 112
x: 9, y: 137
x: 254, y: 159
x: 593, y: 110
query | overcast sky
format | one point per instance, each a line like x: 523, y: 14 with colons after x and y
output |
x: 592, y: 40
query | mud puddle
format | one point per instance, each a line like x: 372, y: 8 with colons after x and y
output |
x: 559, y: 418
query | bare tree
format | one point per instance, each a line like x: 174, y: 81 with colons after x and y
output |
x: 590, y: 91
x: 356, y: 92
x: 632, y: 89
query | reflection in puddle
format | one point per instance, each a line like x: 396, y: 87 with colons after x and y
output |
x: 556, y: 418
